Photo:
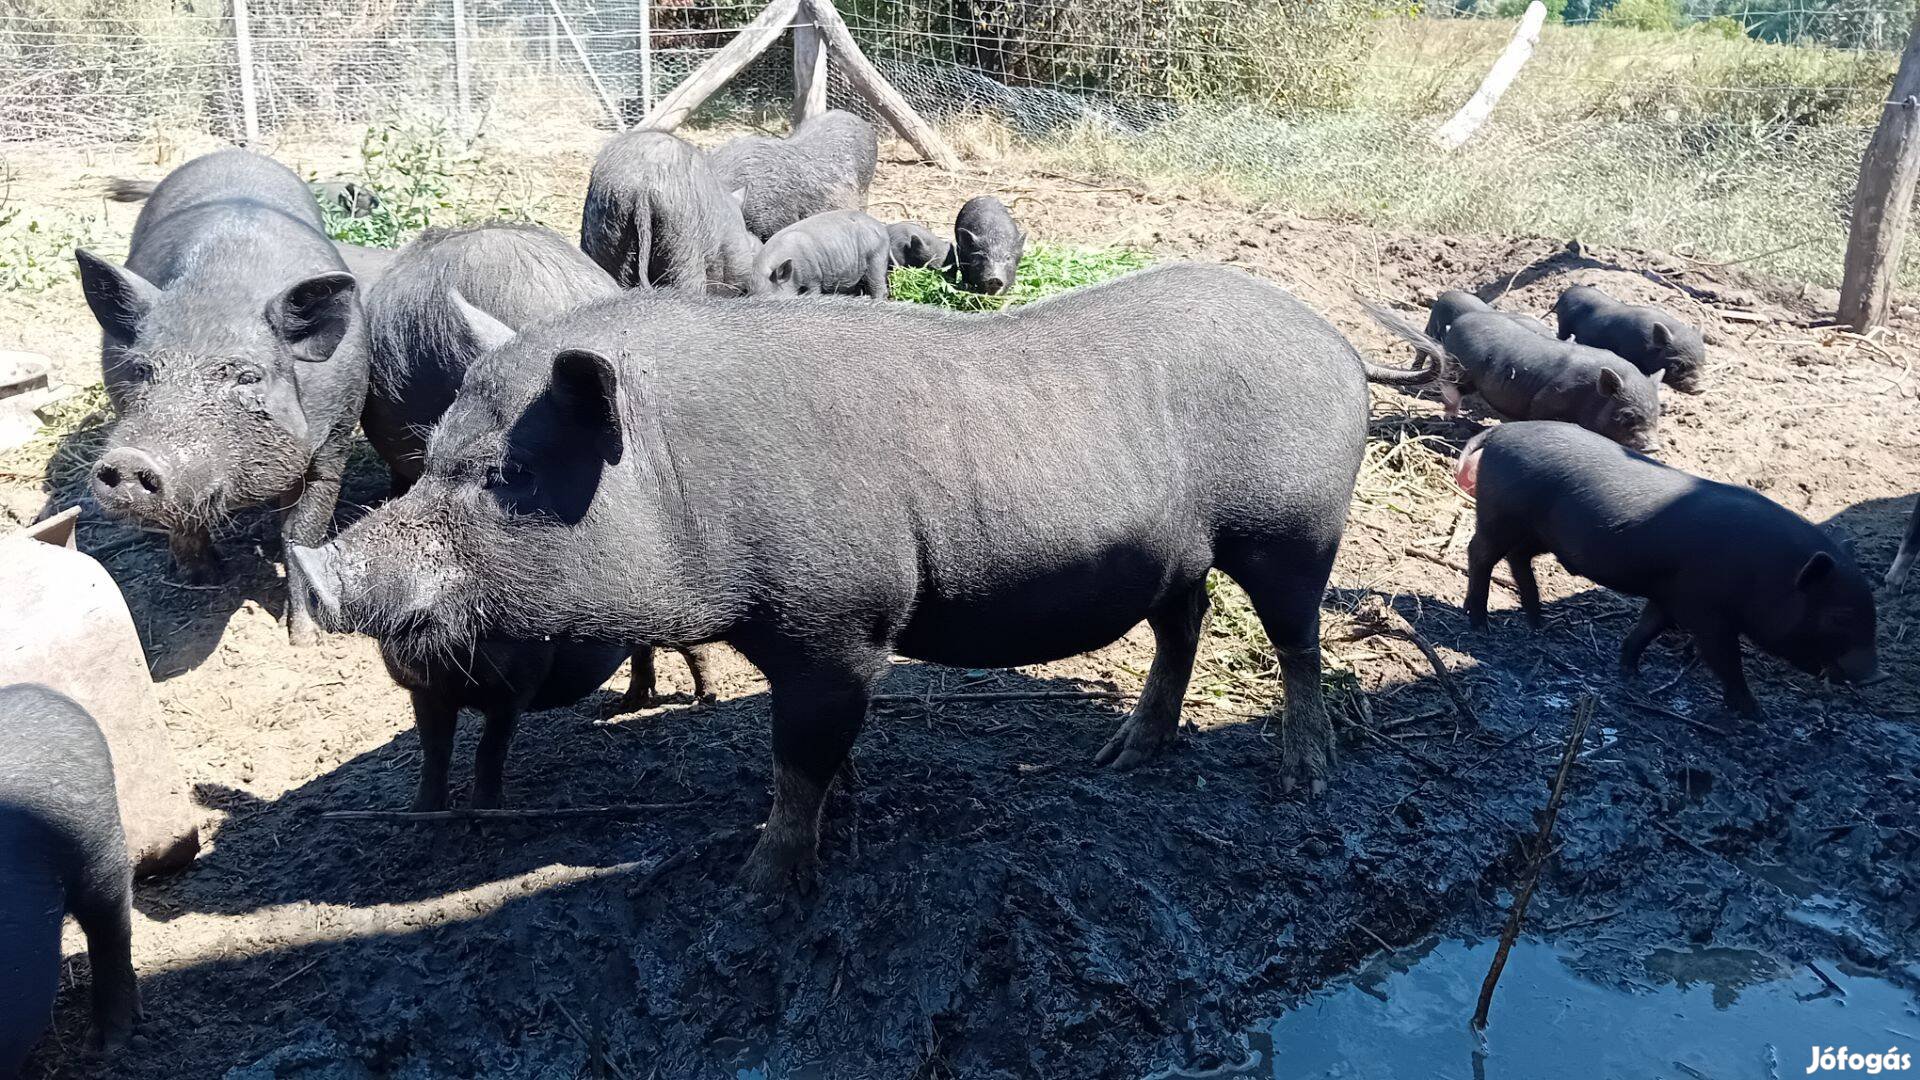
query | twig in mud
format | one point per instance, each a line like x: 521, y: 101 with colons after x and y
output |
x: 1647, y: 706
x: 1826, y: 978
x: 1423, y: 760
x: 1456, y: 565
x: 1174, y: 1072
x: 1365, y: 929
x: 594, y: 1048
x: 996, y: 695
x: 285, y: 979
x: 1380, y: 618
x: 1582, y: 715
x: 412, y: 817
x: 1575, y: 924
x: 1685, y: 841
x: 1685, y: 669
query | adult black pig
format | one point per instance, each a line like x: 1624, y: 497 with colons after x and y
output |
x: 914, y: 245
x: 1715, y: 560
x: 61, y: 851
x: 841, y: 252
x: 1454, y: 303
x: 1530, y: 376
x: 231, y: 356
x: 1646, y: 337
x: 826, y: 164
x: 656, y: 215
x: 979, y: 490
x: 452, y: 295
x: 987, y: 245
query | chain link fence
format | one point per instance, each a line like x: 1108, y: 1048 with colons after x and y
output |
x: 1696, y: 125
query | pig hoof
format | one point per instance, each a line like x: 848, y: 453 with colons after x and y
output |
x: 631, y: 702
x: 424, y: 803
x: 774, y: 869
x: 109, y: 1038
x: 1138, y: 740
x: 485, y: 800
x: 302, y: 635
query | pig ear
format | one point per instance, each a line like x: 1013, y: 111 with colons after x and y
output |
x: 1815, y: 571
x: 782, y: 272
x: 970, y: 236
x: 118, y: 296
x: 1659, y: 377
x: 739, y: 195
x: 1610, y: 383
x: 585, y: 384
x: 1661, y: 335
x: 484, y: 331
x: 313, y: 315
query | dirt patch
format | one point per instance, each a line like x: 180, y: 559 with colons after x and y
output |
x: 992, y: 904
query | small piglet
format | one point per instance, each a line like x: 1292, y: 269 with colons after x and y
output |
x: 62, y: 849
x: 915, y: 245
x: 987, y: 246
x: 1646, y: 337
x: 1715, y: 560
x: 1453, y: 303
x: 1530, y: 376
x: 843, y: 252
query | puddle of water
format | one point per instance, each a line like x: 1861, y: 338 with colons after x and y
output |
x: 1708, y: 1014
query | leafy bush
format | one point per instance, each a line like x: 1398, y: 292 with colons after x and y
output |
x: 1513, y: 9
x: 1643, y: 14
x: 423, y: 180
x: 1044, y: 271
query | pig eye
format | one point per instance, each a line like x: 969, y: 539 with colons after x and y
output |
x: 140, y: 370
x: 246, y: 376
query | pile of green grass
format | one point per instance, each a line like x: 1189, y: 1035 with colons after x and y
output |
x: 1044, y: 271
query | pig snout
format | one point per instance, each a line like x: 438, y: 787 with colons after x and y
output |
x: 128, y: 480
x: 320, y: 566
x: 1859, y: 666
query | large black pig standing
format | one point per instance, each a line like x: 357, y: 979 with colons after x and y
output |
x: 228, y: 351
x: 422, y: 338
x: 976, y: 490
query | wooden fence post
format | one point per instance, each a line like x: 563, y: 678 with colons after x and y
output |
x: 867, y: 81
x: 809, y: 69
x: 1883, y: 200
x: 753, y: 39
x: 462, y: 65
x: 1455, y: 132
x: 646, y: 56
x: 243, y: 54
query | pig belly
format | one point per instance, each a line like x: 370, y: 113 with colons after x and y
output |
x: 1035, y: 617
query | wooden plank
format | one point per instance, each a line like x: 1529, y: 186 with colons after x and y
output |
x: 243, y: 55
x: 809, y: 69
x: 462, y: 65
x: 646, y: 56
x: 752, y: 40
x: 1883, y: 200
x: 1455, y: 132
x: 867, y: 81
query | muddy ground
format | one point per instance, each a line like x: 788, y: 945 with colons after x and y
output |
x: 993, y: 905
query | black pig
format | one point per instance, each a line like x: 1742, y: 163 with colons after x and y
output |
x: 62, y: 850
x: 1715, y: 560
x: 1646, y: 337
x: 1454, y: 303
x: 980, y: 490
x: 839, y: 252
x: 915, y: 245
x: 1530, y: 376
x: 231, y: 354
x: 657, y: 216
x: 987, y: 246
x: 826, y: 164
x: 452, y: 295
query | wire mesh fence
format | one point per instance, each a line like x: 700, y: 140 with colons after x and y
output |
x: 1728, y: 128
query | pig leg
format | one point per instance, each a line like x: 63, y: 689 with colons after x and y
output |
x: 643, y: 682
x: 193, y: 555
x: 818, y: 709
x: 1286, y: 584
x: 1653, y: 622
x: 1719, y: 646
x: 306, y: 526
x: 1450, y: 397
x: 435, y: 720
x: 490, y: 759
x: 1176, y: 624
x: 102, y: 906
x: 697, y: 657
x: 1909, y: 547
x: 1482, y: 554
x: 1520, y: 564
x: 874, y: 284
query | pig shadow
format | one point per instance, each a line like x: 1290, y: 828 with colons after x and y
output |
x: 1873, y: 530
x: 181, y: 623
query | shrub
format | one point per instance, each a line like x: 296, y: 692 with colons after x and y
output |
x: 1643, y: 14
x: 1044, y: 271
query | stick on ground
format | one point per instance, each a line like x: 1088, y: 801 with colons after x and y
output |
x: 1583, y: 713
x: 432, y: 816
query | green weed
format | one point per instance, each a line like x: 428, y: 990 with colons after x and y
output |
x: 1044, y: 270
